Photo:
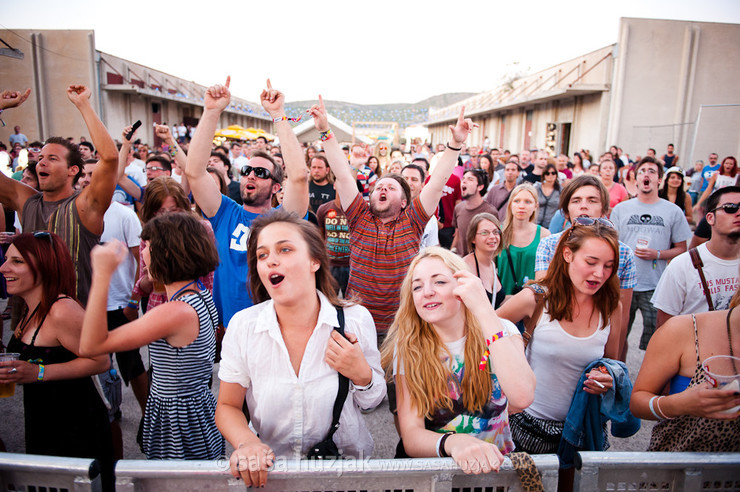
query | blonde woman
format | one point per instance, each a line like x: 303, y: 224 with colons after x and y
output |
x: 456, y: 365
x: 520, y: 236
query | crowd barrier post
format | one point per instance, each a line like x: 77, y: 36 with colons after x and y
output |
x: 26, y: 472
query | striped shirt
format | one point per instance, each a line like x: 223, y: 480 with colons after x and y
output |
x: 380, y: 255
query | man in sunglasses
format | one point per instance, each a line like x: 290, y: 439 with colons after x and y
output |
x: 680, y: 289
x: 261, y: 179
x: 75, y: 216
x: 657, y: 231
x: 586, y: 197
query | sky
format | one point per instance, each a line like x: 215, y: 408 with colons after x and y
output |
x: 384, y: 51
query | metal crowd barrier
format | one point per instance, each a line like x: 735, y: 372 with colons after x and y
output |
x: 28, y: 473
x: 688, y: 472
x: 433, y: 474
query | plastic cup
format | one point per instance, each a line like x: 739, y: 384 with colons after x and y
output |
x: 642, y: 242
x: 7, y: 389
x: 722, y: 373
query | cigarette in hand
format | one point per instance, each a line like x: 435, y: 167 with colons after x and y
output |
x: 600, y: 385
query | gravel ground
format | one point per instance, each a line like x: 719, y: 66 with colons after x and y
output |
x: 380, y: 422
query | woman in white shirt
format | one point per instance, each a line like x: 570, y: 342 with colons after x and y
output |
x: 578, y: 324
x: 456, y: 366
x: 283, y: 355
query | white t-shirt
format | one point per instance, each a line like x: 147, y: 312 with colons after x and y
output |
x: 292, y: 413
x: 136, y: 173
x: 558, y: 360
x: 430, y: 237
x: 680, y: 291
x: 123, y: 224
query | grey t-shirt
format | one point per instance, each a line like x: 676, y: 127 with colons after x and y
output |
x: 657, y: 224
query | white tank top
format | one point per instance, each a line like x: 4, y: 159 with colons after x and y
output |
x: 558, y: 360
x: 724, y: 180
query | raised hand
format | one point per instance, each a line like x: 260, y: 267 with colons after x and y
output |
x: 218, y: 96
x: 106, y: 258
x: 462, y: 128
x: 78, y: 94
x: 320, y: 118
x: 164, y: 132
x: 125, y: 134
x: 13, y: 99
x: 273, y: 101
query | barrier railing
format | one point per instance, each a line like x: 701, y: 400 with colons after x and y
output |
x: 28, y: 472
x: 688, y: 472
x: 433, y: 474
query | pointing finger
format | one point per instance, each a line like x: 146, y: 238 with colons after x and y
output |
x: 269, y: 84
x: 228, y: 81
x: 461, y: 117
x: 321, y: 102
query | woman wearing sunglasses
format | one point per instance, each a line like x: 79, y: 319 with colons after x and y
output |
x: 577, y: 323
x: 484, y: 240
x: 64, y: 414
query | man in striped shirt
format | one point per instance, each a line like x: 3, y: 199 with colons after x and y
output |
x: 385, y: 234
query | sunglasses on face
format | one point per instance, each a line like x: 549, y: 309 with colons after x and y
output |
x: 730, y: 208
x: 259, y: 172
x: 551, y: 174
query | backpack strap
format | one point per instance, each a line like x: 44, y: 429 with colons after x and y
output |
x: 531, y: 323
x: 699, y: 264
x: 343, y: 389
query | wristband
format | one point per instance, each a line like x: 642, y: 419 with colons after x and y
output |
x: 660, y: 411
x: 364, y: 388
x: 41, y: 373
x: 324, y: 136
x: 453, y: 148
x: 486, y: 353
x: 133, y: 304
x: 652, y: 410
x: 658, y: 255
x: 441, y: 445
x: 285, y: 118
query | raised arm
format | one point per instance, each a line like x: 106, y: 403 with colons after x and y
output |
x: 95, y: 199
x: 344, y: 176
x: 295, y: 198
x: 432, y: 191
x: 204, y: 188
x: 13, y: 99
x: 180, y: 159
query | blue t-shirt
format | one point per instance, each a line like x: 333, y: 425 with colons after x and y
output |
x: 231, y: 229
x: 706, y: 174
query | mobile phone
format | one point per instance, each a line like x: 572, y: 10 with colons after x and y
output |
x: 133, y: 129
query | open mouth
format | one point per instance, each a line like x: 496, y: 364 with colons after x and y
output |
x: 250, y: 187
x: 431, y: 305
x: 382, y: 197
x: 593, y: 284
x: 42, y: 174
x: 276, y: 278
x: 646, y: 181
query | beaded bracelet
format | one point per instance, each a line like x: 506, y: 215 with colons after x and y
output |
x: 324, y: 136
x: 486, y: 354
x: 285, y: 118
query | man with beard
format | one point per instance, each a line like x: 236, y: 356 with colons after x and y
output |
x: 657, y: 231
x: 321, y: 188
x: 385, y: 233
x: 474, y: 185
x: 261, y: 179
x: 680, y: 289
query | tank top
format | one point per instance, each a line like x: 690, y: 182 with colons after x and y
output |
x: 523, y: 261
x: 558, y: 360
x: 724, y: 180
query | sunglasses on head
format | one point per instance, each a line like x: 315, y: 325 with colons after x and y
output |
x: 588, y: 221
x: 259, y: 172
x: 730, y: 208
x: 43, y: 235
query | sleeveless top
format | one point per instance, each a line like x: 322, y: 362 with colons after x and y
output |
x: 523, y: 261
x: 180, y: 411
x: 724, y: 180
x: 63, y: 417
x: 63, y: 218
x: 697, y: 434
x: 492, y: 295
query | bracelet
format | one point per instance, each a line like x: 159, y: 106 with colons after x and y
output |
x: 133, y: 305
x: 324, y: 136
x: 285, y: 118
x: 658, y: 254
x: 453, y: 148
x: 364, y: 388
x: 41, y: 373
x: 660, y: 411
x: 1, y: 121
x: 441, y: 445
x: 652, y: 410
x: 486, y: 354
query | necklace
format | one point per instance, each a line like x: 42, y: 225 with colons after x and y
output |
x: 22, y: 326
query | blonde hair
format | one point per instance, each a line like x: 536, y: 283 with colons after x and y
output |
x: 508, y: 229
x: 414, y: 344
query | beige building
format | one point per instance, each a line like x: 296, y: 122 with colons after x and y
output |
x: 123, y: 91
x: 662, y: 82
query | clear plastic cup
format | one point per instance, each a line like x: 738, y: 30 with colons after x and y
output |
x: 723, y: 372
x: 7, y: 389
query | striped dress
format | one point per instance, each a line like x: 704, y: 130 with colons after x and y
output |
x: 179, y: 419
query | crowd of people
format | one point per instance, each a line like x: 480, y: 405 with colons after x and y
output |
x: 487, y: 294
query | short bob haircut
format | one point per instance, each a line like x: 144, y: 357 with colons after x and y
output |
x: 157, y: 192
x: 578, y: 183
x: 50, y: 262
x: 179, y: 247
x: 316, y: 248
x: 473, y: 230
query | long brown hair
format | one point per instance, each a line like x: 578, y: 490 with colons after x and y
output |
x: 414, y: 343
x: 560, y: 296
x: 316, y: 248
x: 507, y: 230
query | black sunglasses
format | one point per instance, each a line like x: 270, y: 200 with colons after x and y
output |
x: 43, y: 235
x: 259, y: 172
x: 588, y: 221
x: 730, y: 208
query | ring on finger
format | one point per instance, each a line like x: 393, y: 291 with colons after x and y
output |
x: 12, y: 370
